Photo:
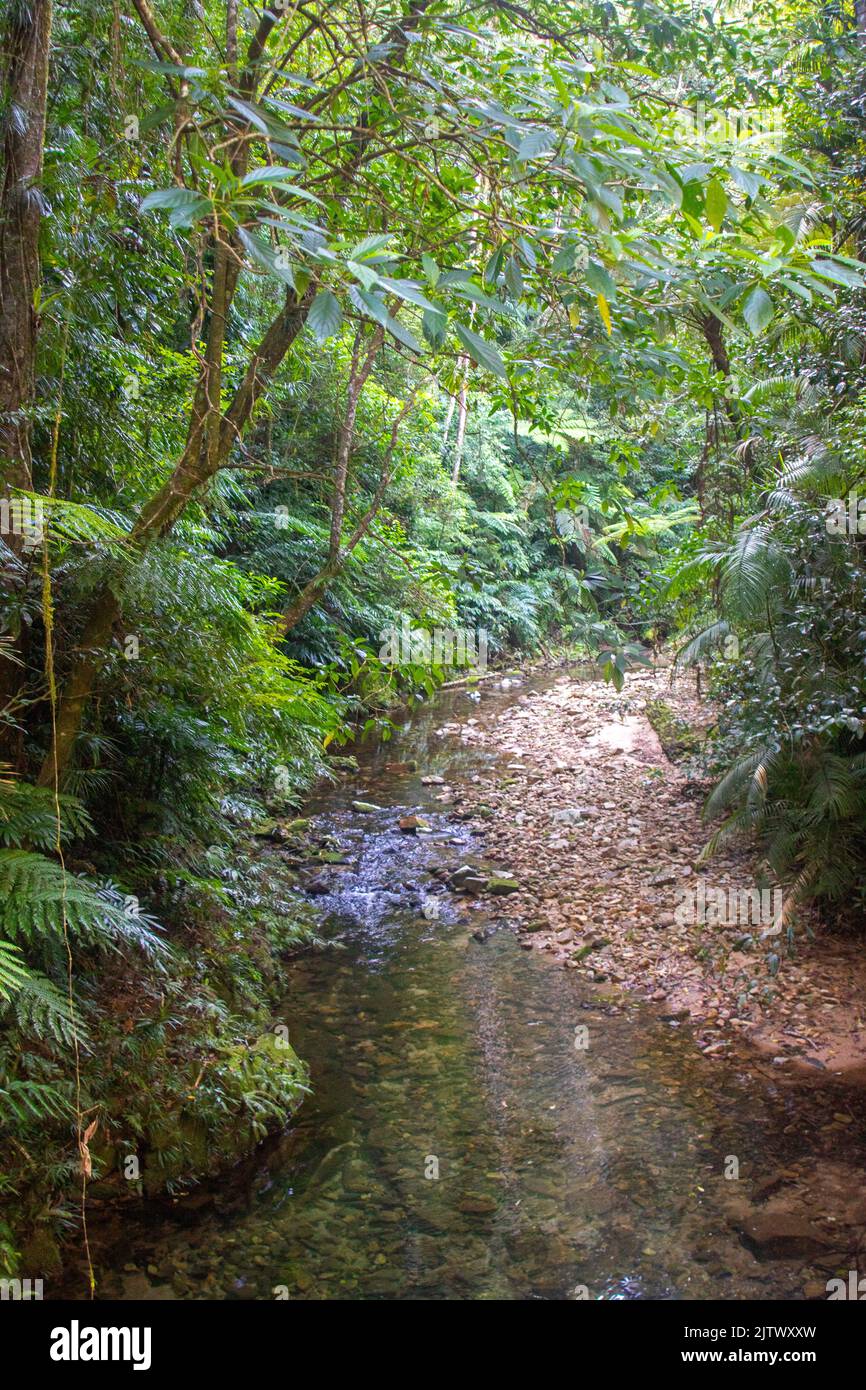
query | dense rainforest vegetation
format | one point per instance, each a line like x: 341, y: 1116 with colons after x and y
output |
x: 324, y: 320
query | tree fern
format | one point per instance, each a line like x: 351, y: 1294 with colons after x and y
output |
x: 33, y: 1101
x: 36, y: 894
x: 28, y: 815
x: 40, y: 1010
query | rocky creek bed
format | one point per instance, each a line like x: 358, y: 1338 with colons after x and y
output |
x: 498, y: 1112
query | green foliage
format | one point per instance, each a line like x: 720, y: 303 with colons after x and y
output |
x: 614, y: 381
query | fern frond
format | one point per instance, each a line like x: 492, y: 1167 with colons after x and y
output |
x: 706, y: 641
x: 41, y: 1010
x: 36, y: 894
x: 13, y: 972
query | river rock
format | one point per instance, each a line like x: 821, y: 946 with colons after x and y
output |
x: 500, y: 886
x: 467, y: 879
x: 781, y: 1236
x: 666, y: 875
x: 473, y: 1205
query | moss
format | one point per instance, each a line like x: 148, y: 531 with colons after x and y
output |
x: 40, y: 1254
x: 678, y: 739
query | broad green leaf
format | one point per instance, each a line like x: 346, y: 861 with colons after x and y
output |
x: 183, y: 205
x: 840, y: 274
x: 794, y: 285
x: 368, y: 249
x: 482, y: 352
x: 564, y: 259
x: 263, y: 121
x: 493, y: 267
x: 716, y: 204
x: 274, y: 262
x: 434, y: 324
x: 669, y: 186
x: 514, y: 277
x: 714, y: 307
x: 818, y: 286
x: 296, y: 191
x: 250, y: 113
x: 376, y: 309
x: 757, y: 310
x: 466, y: 290
x: 325, y: 315
x: 364, y: 273
x: 175, y: 70
x: 535, y: 143
x: 299, y: 112
x: 746, y: 181
x: 268, y: 173
x: 609, y: 199
x: 600, y: 280
x: 406, y: 289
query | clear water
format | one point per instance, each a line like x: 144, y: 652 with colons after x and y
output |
x: 561, y: 1169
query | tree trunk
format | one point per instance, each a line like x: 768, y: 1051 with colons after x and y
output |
x: 462, y: 409
x: 339, y: 555
x: 310, y: 593
x: 26, y: 44
x: 452, y: 401
x: 712, y: 330
x: 196, y: 466
x: 79, y: 686
x: 359, y: 372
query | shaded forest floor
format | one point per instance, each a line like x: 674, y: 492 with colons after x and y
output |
x: 602, y: 831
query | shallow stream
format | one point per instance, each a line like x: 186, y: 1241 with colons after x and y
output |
x: 483, y: 1124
